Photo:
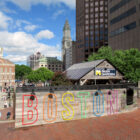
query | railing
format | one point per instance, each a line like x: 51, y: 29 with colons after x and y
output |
x: 75, y: 87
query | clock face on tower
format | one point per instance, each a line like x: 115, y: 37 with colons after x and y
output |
x: 68, y: 44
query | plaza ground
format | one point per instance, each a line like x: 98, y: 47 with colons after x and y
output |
x: 124, y: 126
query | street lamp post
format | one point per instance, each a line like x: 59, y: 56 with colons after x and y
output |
x: 95, y: 74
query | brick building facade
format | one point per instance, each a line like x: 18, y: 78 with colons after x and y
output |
x: 7, y: 71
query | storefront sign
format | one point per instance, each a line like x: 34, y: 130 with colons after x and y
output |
x: 105, y: 72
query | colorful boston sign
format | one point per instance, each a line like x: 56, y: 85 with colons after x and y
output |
x: 51, y: 106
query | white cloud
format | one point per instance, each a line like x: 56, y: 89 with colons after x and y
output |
x: 4, y: 21
x: 19, y: 45
x: 56, y: 14
x: 20, y: 22
x: 16, y: 58
x: 44, y: 34
x: 29, y: 28
x: 26, y: 4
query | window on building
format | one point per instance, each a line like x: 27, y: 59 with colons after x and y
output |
x: 91, y: 21
x: 101, y: 37
x: 123, y: 29
x: 91, y: 26
x: 96, y: 9
x: 91, y: 9
x: 101, y: 2
x: 96, y: 15
x: 86, y: 38
x: 96, y: 20
x: 119, y: 5
x: 96, y: 26
x: 101, y: 14
x: 101, y: 8
x: 101, y: 19
x: 91, y: 4
x: 86, y: 16
x: 87, y: 27
x: 87, y: 44
x: 91, y: 32
x: 96, y: 38
x: 96, y: 44
x: 86, y: 21
x: 123, y: 16
x: 86, y: 10
x: 87, y: 33
x: 91, y: 15
x: 6, y: 70
x: 106, y: 25
x: 86, y: 4
x: 101, y: 25
x: 96, y: 32
x: 91, y: 44
x: 96, y: 3
x: 91, y: 38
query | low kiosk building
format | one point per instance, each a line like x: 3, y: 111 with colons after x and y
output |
x: 94, y: 72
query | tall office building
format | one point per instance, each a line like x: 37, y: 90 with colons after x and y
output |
x: 91, y: 27
x: 124, y: 24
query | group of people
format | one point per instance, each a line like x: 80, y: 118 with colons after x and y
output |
x: 7, y: 97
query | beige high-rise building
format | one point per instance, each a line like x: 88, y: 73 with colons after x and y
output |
x: 66, y: 46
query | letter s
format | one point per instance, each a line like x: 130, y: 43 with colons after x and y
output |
x: 68, y: 112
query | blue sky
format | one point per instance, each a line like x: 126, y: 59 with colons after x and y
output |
x: 27, y: 26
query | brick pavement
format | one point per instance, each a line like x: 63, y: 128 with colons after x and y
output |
x: 115, y: 127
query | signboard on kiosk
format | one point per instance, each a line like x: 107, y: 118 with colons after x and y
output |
x: 105, y: 72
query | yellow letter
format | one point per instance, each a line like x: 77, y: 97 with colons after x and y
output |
x: 68, y: 111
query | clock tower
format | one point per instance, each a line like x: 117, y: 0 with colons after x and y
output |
x: 66, y: 46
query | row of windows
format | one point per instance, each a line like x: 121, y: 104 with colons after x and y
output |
x: 51, y: 66
x: 96, y: 26
x: 119, y: 5
x: 91, y: 3
x: 6, y: 77
x: 123, y: 16
x: 96, y: 15
x: 96, y: 43
x: 96, y: 9
x: 101, y: 20
x: 123, y: 29
x: 5, y: 70
x: 96, y: 32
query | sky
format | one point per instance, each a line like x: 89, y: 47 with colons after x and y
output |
x: 28, y: 26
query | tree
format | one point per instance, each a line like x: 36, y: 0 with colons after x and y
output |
x: 41, y: 74
x: 60, y: 79
x: 127, y: 61
x: 22, y: 71
x: 103, y: 53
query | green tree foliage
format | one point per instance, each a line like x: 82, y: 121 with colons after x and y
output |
x: 21, y: 71
x: 60, y: 79
x: 41, y: 74
x: 127, y: 61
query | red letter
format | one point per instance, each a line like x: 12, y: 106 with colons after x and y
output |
x: 31, y: 112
